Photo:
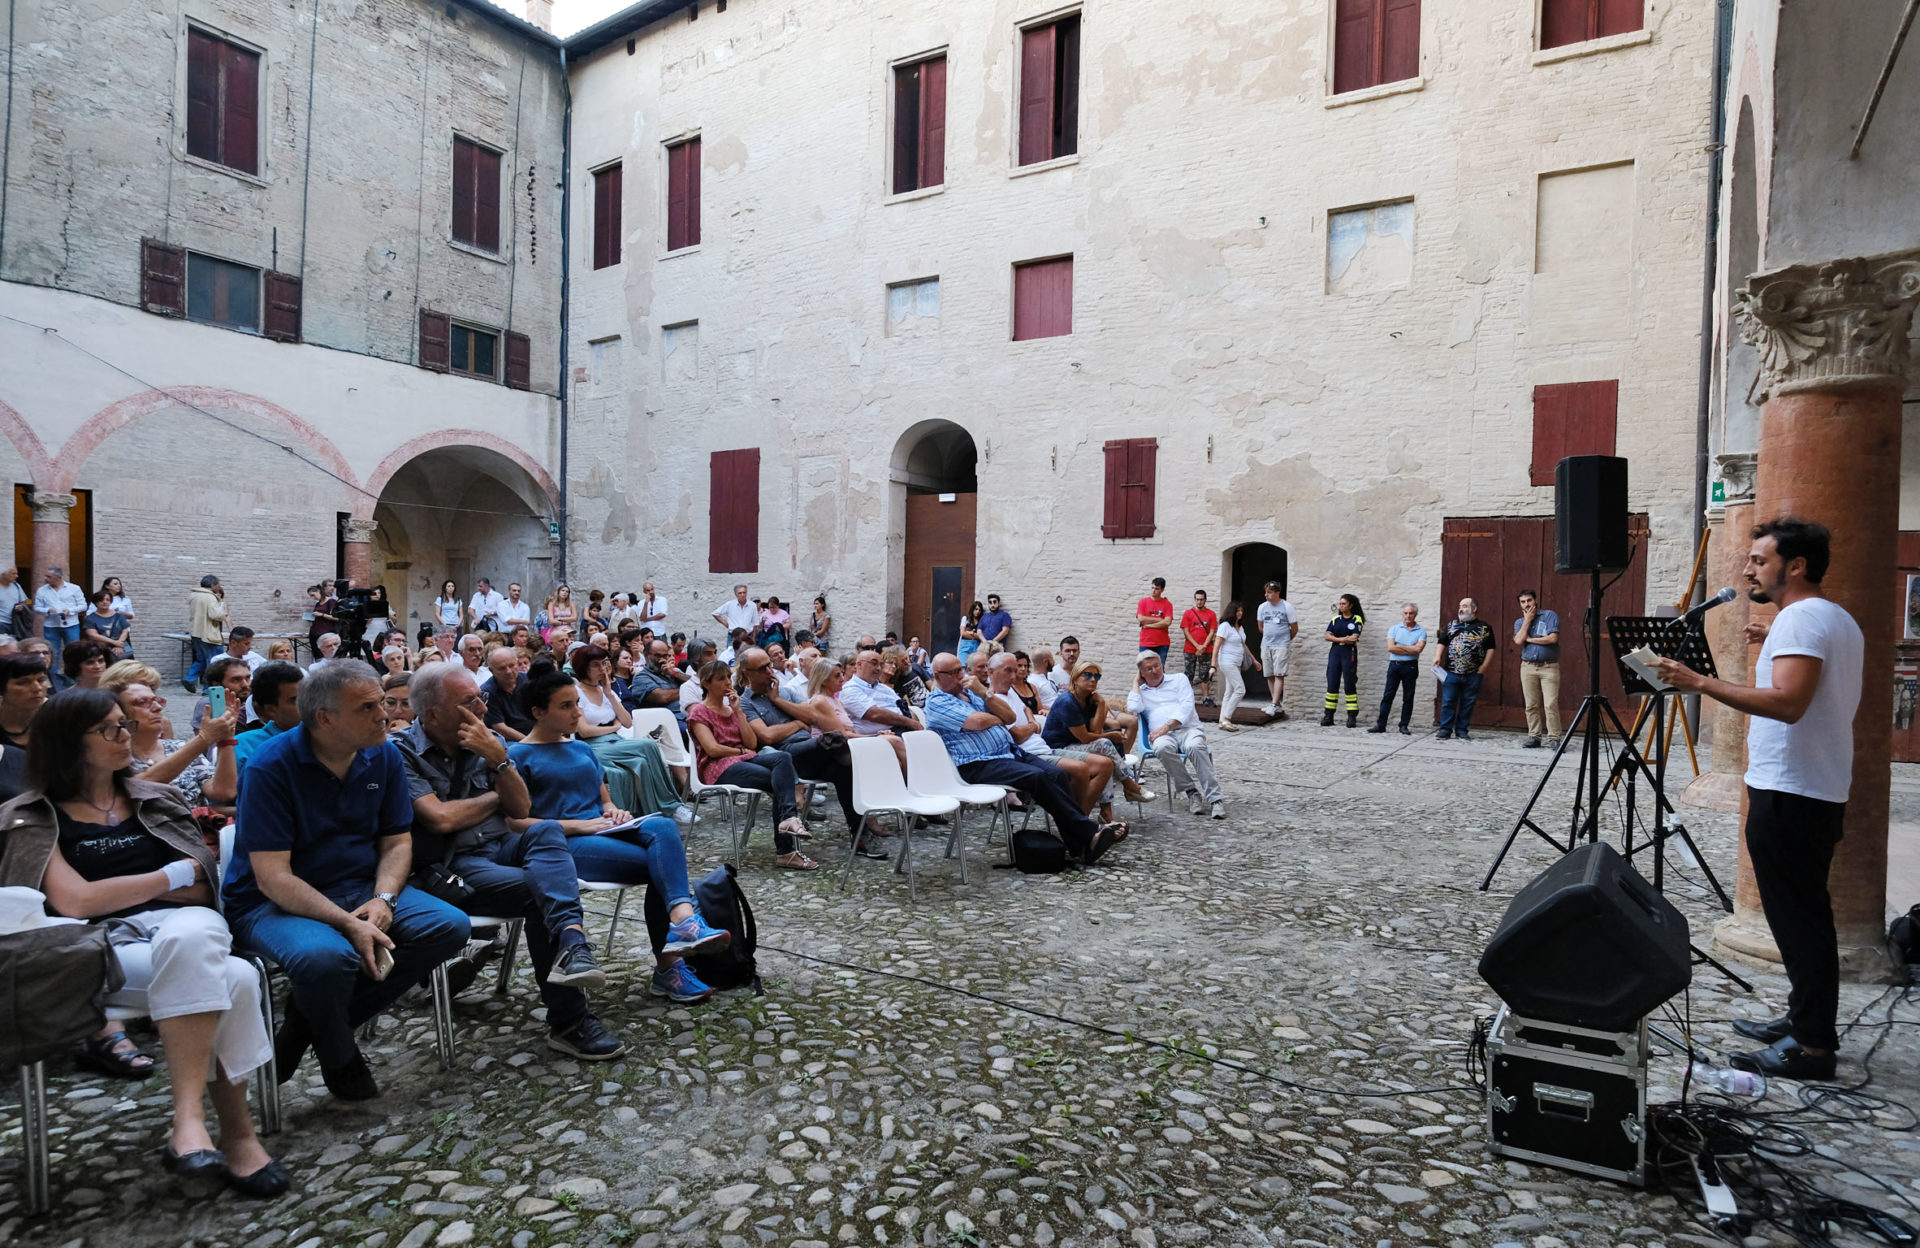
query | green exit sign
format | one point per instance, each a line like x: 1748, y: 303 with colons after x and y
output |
x: 1719, y: 491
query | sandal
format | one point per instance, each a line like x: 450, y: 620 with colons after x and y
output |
x: 100, y: 1054
x: 1105, y: 839
x: 797, y: 829
x: 794, y: 860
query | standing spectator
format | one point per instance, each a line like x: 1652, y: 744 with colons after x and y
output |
x: 1229, y: 658
x: 59, y: 604
x: 1343, y: 658
x: 11, y: 597
x: 240, y: 646
x: 1197, y: 629
x: 448, y: 610
x: 122, y: 602
x: 379, y: 614
x: 970, y: 633
x: 594, y: 618
x: 324, y: 618
x: 652, y: 609
x: 737, y: 612
x: 1278, y: 627
x: 1154, y: 614
x: 996, y: 626
x: 1465, y: 647
x: 206, y: 617
x: 514, y: 609
x: 1164, y: 702
x: 821, y: 625
x: 483, y: 609
x: 108, y: 626
x: 1405, y: 641
x: 560, y: 613
x: 1537, y: 633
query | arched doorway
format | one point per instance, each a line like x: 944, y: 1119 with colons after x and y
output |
x: 459, y: 513
x: 1248, y: 570
x: 936, y: 487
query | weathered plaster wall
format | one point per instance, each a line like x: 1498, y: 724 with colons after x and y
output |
x: 1341, y: 426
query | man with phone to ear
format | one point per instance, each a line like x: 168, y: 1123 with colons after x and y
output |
x: 1806, y: 688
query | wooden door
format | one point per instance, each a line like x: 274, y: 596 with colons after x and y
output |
x: 1906, y: 654
x: 1491, y: 560
x: 939, y: 534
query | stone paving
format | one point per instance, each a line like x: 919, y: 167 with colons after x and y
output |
x: 1322, y: 939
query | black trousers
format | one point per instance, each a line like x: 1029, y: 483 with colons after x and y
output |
x: 810, y: 762
x: 1790, y: 841
x: 1048, y: 785
x: 1400, y: 675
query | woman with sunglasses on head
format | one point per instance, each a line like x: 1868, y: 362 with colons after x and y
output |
x: 203, y: 766
x: 1077, y: 726
x: 104, y: 844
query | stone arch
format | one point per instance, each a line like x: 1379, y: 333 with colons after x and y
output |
x: 450, y: 438
x: 33, y: 452
x: 932, y: 495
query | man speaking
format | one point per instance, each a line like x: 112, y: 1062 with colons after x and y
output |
x: 1806, y: 688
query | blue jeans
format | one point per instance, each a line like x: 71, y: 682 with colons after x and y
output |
x: 1159, y: 650
x: 1457, y: 697
x: 650, y: 854
x: 531, y: 874
x: 204, y: 652
x: 771, y: 772
x: 329, y: 987
x: 60, y: 638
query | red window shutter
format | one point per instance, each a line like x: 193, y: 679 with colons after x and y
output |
x: 282, y: 319
x: 240, y: 111
x: 1143, y: 456
x: 1399, y: 40
x: 203, y: 95
x: 907, y: 108
x: 1353, y: 45
x: 683, y: 195
x: 733, y: 504
x: 1113, y: 516
x: 606, y: 217
x: 463, y: 190
x: 486, y: 199
x: 693, y: 229
x: 1579, y: 418
x: 436, y: 333
x: 1066, y: 86
x: 1036, y: 94
x: 1043, y: 299
x: 163, y: 278
x: 1619, y: 17
x: 933, y: 122
x: 519, y: 361
x: 1565, y: 21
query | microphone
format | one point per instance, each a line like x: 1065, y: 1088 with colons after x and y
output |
x: 1698, y: 613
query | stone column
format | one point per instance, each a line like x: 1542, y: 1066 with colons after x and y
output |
x: 1719, y: 787
x: 358, y: 535
x: 52, y: 533
x: 1833, y: 345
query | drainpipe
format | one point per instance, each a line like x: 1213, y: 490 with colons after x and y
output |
x: 1703, y: 442
x: 566, y: 274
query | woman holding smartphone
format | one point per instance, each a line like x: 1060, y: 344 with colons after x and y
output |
x: 729, y: 754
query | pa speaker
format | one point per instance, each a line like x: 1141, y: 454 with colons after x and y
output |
x: 1590, y: 514
x: 1589, y: 943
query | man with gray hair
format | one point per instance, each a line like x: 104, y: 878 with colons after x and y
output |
x: 1464, y: 647
x: 1405, y: 641
x: 1164, y: 702
x: 738, y: 612
x: 319, y: 874
x: 473, y: 654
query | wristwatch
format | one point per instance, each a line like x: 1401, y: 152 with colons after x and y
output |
x: 502, y: 765
x: 389, y: 898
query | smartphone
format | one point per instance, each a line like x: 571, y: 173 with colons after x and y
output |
x: 382, y: 962
x: 217, y: 701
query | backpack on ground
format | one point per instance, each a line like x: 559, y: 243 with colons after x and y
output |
x: 723, y: 905
x: 1903, y: 936
x: 1035, y: 851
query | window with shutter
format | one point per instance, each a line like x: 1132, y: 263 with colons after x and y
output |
x: 733, y: 511
x: 683, y: 194
x: 1578, y: 418
x: 1050, y: 90
x: 473, y: 352
x: 1043, y: 298
x: 163, y: 278
x: 606, y: 216
x: 519, y: 373
x: 435, y: 336
x: 1375, y: 42
x: 220, y: 292
x: 223, y: 102
x: 1131, y: 468
x: 919, y: 124
x: 1564, y: 22
x: 476, y: 195
x: 282, y: 314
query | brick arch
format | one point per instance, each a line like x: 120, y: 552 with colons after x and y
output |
x: 439, y: 440
x: 115, y: 416
x: 28, y: 443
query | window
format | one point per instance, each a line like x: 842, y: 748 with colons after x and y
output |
x: 1575, y: 419
x: 447, y: 346
x: 920, y: 125
x: 1050, y: 90
x: 911, y: 304
x: 1131, y: 466
x: 1575, y: 21
x: 223, y: 102
x: 733, y: 511
x: 1043, y: 299
x: 220, y: 292
x: 473, y: 351
x: 680, y: 351
x: 1374, y: 42
x: 606, y: 216
x: 683, y: 195
x: 1370, y: 248
x: 476, y: 195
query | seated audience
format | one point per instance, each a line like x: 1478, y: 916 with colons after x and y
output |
x: 326, y: 647
x: 235, y: 681
x: 1090, y: 774
x: 426, y: 655
x: 918, y: 656
x: 24, y: 688
x: 319, y: 874
x: 637, y: 776
x: 394, y: 659
x: 729, y: 753
x: 784, y: 723
x: 109, y: 627
x: 84, y: 663
x: 1062, y: 673
x: 1077, y: 726
x: 825, y: 712
x: 973, y: 726
x: 793, y: 683
x: 871, y: 703
x: 280, y: 651
x: 897, y: 670
x: 101, y: 843
x: 566, y: 783
x: 504, y: 714
x: 656, y: 684
x: 240, y: 646
x: 1039, y: 688
x: 1164, y: 702
x: 204, y: 768
x: 473, y: 654
x: 396, y: 699
x: 276, y: 699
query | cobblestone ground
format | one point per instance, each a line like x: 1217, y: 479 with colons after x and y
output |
x: 1325, y: 935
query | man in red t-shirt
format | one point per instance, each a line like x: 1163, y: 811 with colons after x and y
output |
x: 1155, y: 617
x: 1197, y: 628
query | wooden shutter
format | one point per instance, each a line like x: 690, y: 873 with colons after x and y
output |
x: 1619, y: 17
x: 281, y: 321
x: 933, y: 122
x: 1132, y: 465
x: 606, y: 217
x: 486, y: 199
x: 1353, y: 45
x: 163, y: 278
x: 203, y: 95
x: 1399, y: 40
x: 463, y: 190
x: 436, y: 333
x: 733, y: 511
x: 907, y: 115
x: 1043, y: 299
x: 1565, y: 21
x: 1036, y: 94
x: 519, y: 372
x: 683, y: 195
x: 240, y: 110
x: 1066, y: 86
x: 1113, y: 516
x: 1579, y: 418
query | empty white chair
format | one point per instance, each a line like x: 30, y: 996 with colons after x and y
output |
x: 658, y: 723
x: 931, y: 773
x: 880, y: 790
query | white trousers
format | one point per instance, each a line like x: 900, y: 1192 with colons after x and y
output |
x: 178, y: 961
x: 1235, y: 688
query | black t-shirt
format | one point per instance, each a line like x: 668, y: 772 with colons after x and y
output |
x: 1066, y: 715
x: 99, y: 851
x: 504, y: 708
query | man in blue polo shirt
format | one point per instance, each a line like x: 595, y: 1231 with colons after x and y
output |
x: 318, y: 879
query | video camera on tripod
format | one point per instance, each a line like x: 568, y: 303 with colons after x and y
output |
x: 354, y: 609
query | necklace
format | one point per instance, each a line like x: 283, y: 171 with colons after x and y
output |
x: 106, y: 811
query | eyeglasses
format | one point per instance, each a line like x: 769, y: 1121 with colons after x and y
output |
x: 112, y: 732
x: 1092, y: 676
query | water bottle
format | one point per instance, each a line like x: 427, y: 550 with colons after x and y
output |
x: 1732, y: 1082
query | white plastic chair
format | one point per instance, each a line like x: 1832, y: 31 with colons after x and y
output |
x: 931, y: 773
x: 880, y: 790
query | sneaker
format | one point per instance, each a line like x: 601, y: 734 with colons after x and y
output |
x: 677, y: 982
x: 1270, y: 709
x: 589, y: 1040
x: 1194, y: 805
x: 1531, y: 743
x: 683, y: 815
x: 352, y: 1082
x: 1208, y: 701
x: 692, y: 935
x: 1219, y: 810
x: 575, y: 967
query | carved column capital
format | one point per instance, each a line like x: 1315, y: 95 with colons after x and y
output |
x: 353, y: 530
x: 52, y: 508
x: 1841, y: 325
x: 1737, y: 471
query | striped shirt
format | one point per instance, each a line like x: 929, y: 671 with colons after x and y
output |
x: 947, y: 715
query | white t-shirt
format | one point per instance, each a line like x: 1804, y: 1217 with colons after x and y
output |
x: 1276, y: 623
x: 483, y: 606
x: 1233, y: 647
x: 1033, y: 745
x: 652, y: 615
x: 1813, y: 758
x: 512, y: 612
x: 738, y: 615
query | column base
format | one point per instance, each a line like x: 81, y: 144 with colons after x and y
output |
x: 1713, y: 790
x: 1744, y: 937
